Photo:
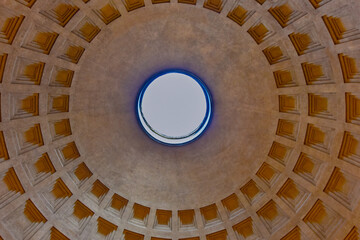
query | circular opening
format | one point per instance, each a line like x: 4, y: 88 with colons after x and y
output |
x: 174, y: 107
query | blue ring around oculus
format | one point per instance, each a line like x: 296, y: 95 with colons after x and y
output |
x: 174, y: 139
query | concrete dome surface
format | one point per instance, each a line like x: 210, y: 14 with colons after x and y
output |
x: 279, y: 160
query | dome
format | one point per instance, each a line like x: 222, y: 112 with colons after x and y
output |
x: 280, y: 158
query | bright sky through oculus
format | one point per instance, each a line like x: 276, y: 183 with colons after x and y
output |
x: 174, y: 108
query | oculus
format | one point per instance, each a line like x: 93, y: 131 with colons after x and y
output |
x: 174, y: 107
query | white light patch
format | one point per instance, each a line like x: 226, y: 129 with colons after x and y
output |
x: 174, y: 108
x: 174, y: 105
